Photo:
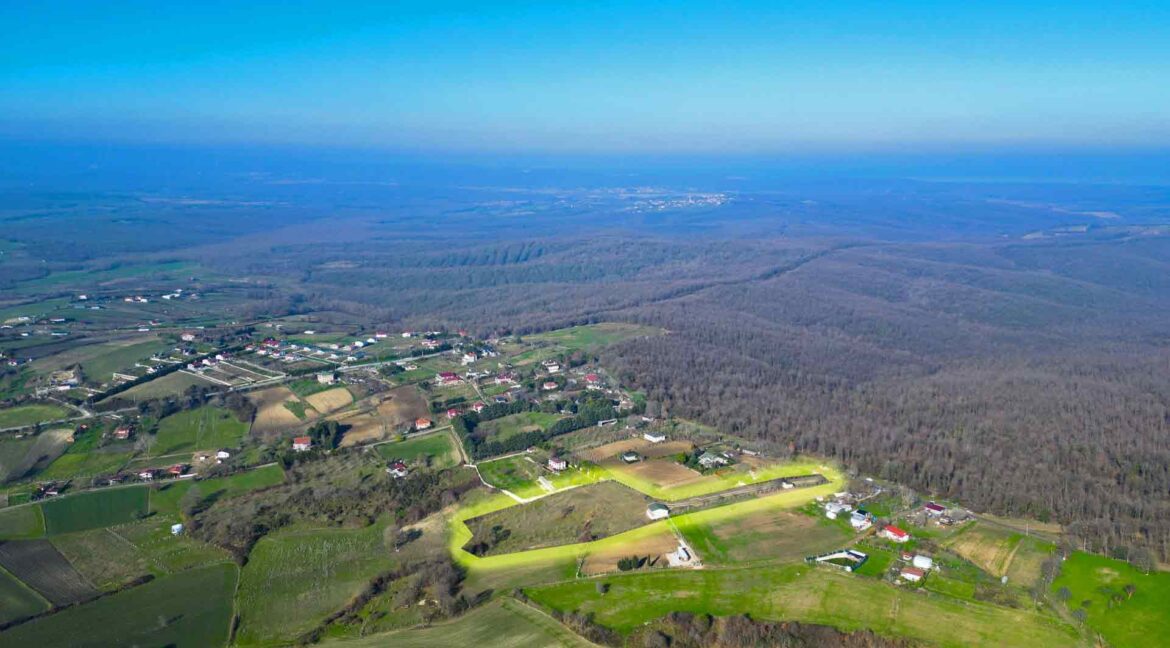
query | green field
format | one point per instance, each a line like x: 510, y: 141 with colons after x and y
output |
x: 205, y: 428
x: 24, y: 457
x: 172, y: 384
x: 766, y: 535
x: 100, y: 368
x: 22, y: 523
x: 95, y: 509
x: 511, y: 425
x: 18, y: 601
x: 807, y: 594
x: 166, y: 498
x: 518, y: 475
x: 592, y: 336
x: 188, y: 609
x: 1131, y: 620
x: 502, y: 624
x: 294, y: 579
x: 435, y: 448
x: 77, y: 462
x: 23, y: 415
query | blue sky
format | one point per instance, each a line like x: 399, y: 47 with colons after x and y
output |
x: 680, y: 77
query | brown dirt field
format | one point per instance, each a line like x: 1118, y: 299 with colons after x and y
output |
x: 363, y: 428
x: 272, y: 417
x: 330, y: 399
x: 606, y: 560
x: 639, y: 445
x: 662, y: 472
x: 403, y: 405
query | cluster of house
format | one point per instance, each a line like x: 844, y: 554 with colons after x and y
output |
x: 859, y: 519
x: 177, y: 471
x: 916, y: 566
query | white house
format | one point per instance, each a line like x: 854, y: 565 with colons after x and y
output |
x: 860, y: 520
x: 654, y: 437
x: 326, y: 378
x: 557, y: 463
x: 833, y: 509
x: 222, y: 454
x: 657, y: 511
x: 176, y: 529
x: 912, y: 574
x: 302, y: 443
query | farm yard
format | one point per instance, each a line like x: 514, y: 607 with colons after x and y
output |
x: 1001, y: 552
x: 511, y: 425
x: 435, y: 450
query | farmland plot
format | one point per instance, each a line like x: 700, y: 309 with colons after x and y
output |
x: 95, y: 509
x: 17, y: 601
x: 330, y: 400
x: 192, y: 609
x: 272, y: 416
x: 205, y: 428
x: 22, y: 457
x: 42, y: 567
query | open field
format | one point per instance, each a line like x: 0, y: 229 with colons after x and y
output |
x: 22, y: 522
x: 436, y: 450
x: 502, y: 624
x: 519, y: 475
x: 80, y: 462
x: 760, y: 536
x: 508, y: 426
x: 362, y: 428
x: 330, y: 400
x: 23, y: 415
x: 18, y: 601
x: 803, y: 593
x: 665, y: 480
x: 94, y: 509
x: 652, y: 546
x: 643, y: 447
x: 40, y: 566
x: 272, y: 417
x: 402, y: 406
x: 590, y: 337
x: 1133, y: 621
x: 204, y: 428
x: 23, y: 457
x: 295, y: 578
x: 172, y: 384
x: 118, y: 356
x: 1001, y: 552
x: 578, y: 515
x: 188, y: 609
x: 104, y: 558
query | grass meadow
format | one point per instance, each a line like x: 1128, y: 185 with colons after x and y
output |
x: 807, y: 594
x: 23, y: 415
x: 17, y: 600
x: 1093, y: 581
x: 95, y: 509
x: 295, y: 578
x: 437, y: 449
x: 22, y: 522
x: 204, y: 428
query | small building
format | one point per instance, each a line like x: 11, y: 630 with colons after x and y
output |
x: 176, y: 529
x: 923, y: 562
x: 146, y: 475
x: 654, y: 437
x: 912, y: 574
x: 223, y: 454
x: 302, y: 443
x: 861, y: 520
x: 657, y: 511
x: 397, y: 469
x: 629, y: 456
x: 187, y: 337
x: 934, y: 509
x: 548, y: 385
x: 422, y: 423
x: 478, y: 407
x: 447, y: 378
x: 711, y: 460
x: 452, y: 413
x: 557, y: 463
x: 833, y: 509
x: 177, y: 470
x: 894, y: 534
x: 122, y: 432
x: 326, y: 378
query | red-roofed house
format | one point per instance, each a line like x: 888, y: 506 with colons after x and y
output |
x: 398, y: 469
x: 452, y: 413
x: 934, y: 510
x: 176, y: 470
x: 422, y: 423
x: 302, y: 443
x: 592, y: 378
x: 549, y: 385
x: 478, y: 407
x: 912, y: 574
x: 122, y: 432
x: 895, y: 534
x: 447, y: 378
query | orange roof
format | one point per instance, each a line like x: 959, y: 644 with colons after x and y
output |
x: 303, y: 440
x: 893, y: 530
